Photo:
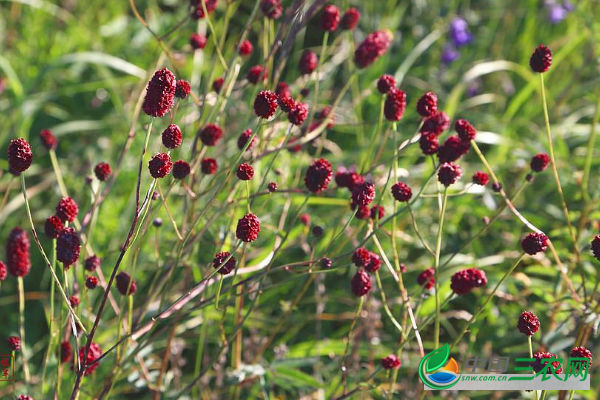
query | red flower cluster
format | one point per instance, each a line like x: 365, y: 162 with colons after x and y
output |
x: 271, y: 8
x: 373, y: 47
x: 427, y: 104
x: 468, y: 279
x: 539, y: 162
x: 385, y: 83
x: 395, y: 104
x: 14, y: 343
x: 391, y: 362
x: 67, y: 209
x: 160, y: 93
x: 427, y: 278
x: 181, y: 169
x: 17, y: 253
x: 209, y: 166
x: 308, y: 62
x: 581, y: 352
x: 348, y: 179
x: 220, y: 259
x: 91, y: 263
x: 3, y: 271
x: 246, y: 48
x: 318, y: 176
x: 595, y: 245
x: 48, y: 139
x: 361, y: 283
x: 330, y: 18
x: 265, y: 104
x: 298, y: 113
x: 245, y: 172
x: 244, y: 138
x: 534, y: 243
x: 20, y: 155
x: 361, y: 257
x: 160, y: 165
x: 256, y: 73
x: 68, y: 246
x: 528, y: 323
x: 480, y: 178
x: 363, y: 194
x: 218, y: 85
x: 211, y: 134
x: 182, y: 89
x: 197, y: 41
x: 538, y: 364
x: 125, y: 282
x: 453, y: 148
x: 199, y: 9
x: 66, y: 351
x: 465, y: 130
x: 401, y: 192
x: 53, y: 227
x: 449, y: 173
x: 541, y: 59
x: 248, y: 228
x: 350, y: 19
x: 91, y: 282
x: 94, y: 353
x: 102, y: 171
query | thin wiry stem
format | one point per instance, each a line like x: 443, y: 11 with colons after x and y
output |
x: 438, y: 249
x: 24, y: 348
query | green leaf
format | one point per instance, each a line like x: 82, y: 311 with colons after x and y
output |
x: 437, y: 358
x: 296, y: 377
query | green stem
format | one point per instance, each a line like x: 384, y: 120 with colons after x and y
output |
x: 356, y: 315
x: 51, y: 325
x: 22, y: 329
x: 590, y: 153
x: 531, y: 356
x: 438, y: 249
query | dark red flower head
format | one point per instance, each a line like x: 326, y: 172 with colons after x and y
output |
x: 20, y: 155
x: 211, y: 134
x: 539, y: 162
x: 125, y: 282
x: 285, y: 102
x: 362, y: 213
x: 14, y: 343
x: 244, y: 138
x: 74, y: 301
x: 67, y: 209
x: 102, y: 171
x: 330, y: 18
x: 17, y: 253
x: 528, y: 323
x: 465, y: 130
x: 256, y: 73
x: 324, y: 114
x: 68, y: 246
x: 298, y: 113
x: 538, y: 364
x: 385, y: 83
x: 541, y: 59
x: 3, y: 271
x: 595, y: 244
x: 160, y: 165
x: 91, y: 263
x: 449, y: 173
x: 361, y: 283
x: 361, y: 257
x: 427, y: 278
x: 391, y: 362
x: 374, y: 263
x: 305, y: 219
x: 581, y: 352
x: 245, y: 172
x: 226, y: 267
x: 283, y: 89
x: 66, y: 351
x: 248, y: 228
x: 466, y: 280
x: 363, y: 194
x: 534, y: 243
x: 218, y: 85
x: 496, y: 187
x: 181, y: 169
x: 53, y: 226
x: 427, y: 104
x: 436, y: 123
x: 326, y: 263
x: 395, y: 104
x: 160, y: 93
x: 94, y: 353
x: 265, y: 104
x: 317, y: 231
x: 182, y: 89
x: 246, y: 48
x: 374, y: 46
x: 453, y: 148
x: 480, y: 178
x: 199, y: 9
x: 377, y: 212
x: 272, y: 187
x: 308, y: 62
x: 348, y: 179
x: 318, y: 176
x: 48, y: 139
x: 209, y: 166
x: 350, y: 19
x: 401, y: 191
x: 271, y: 8
x: 198, y: 41
x: 429, y: 143
x: 172, y: 137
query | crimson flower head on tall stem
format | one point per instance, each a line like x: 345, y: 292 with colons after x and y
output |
x: 94, y: 353
x: 265, y: 104
x: 429, y: 143
x: 271, y: 8
x: 182, y: 89
x: 20, y: 155
x: 244, y: 138
x: 48, y: 139
x: 198, y: 12
x: 374, y: 263
x: 427, y: 278
x: 361, y: 283
x: 181, y: 169
x: 539, y: 162
x: 246, y: 48
x: 102, y: 171
x: 465, y: 130
x: 449, y: 173
x: 160, y: 93
x: 91, y: 263
x: 218, y: 85
x: 209, y: 166
x: 453, y: 148
x: 283, y: 89
x: 220, y: 259
x: 298, y: 113
x: 308, y: 62
x: 248, y: 228
x: 67, y: 209
x: 256, y: 73
x: 436, y: 123
x: 541, y: 59
x: 14, y: 343
x: 465, y: 281
x: 350, y: 19
x: 17, y: 253
x: 3, y: 271
x: 581, y: 352
x: 330, y: 18
x: 211, y: 134
x: 66, y: 351
x: 318, y: 176
x: 68, y: 246
x: 427, y: 104
x: 480, y: 178
x: 534, y: 243
x: 385, y: 83
x: 595, y: 247
x: 538, y: 364
x: 391, y: 362
x: 395, y: 104
x: 374, y: 46
x: 160, y: 165
x: 53, y: 227
x: 198, y: 41
x: 125, y: 284
x: 172, y: 137
x: 245, y: 172
x: 528, y: 323
x: 363, y: 194
x: 361, y: 257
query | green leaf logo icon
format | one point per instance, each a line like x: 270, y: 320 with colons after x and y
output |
x: 437, y: 358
